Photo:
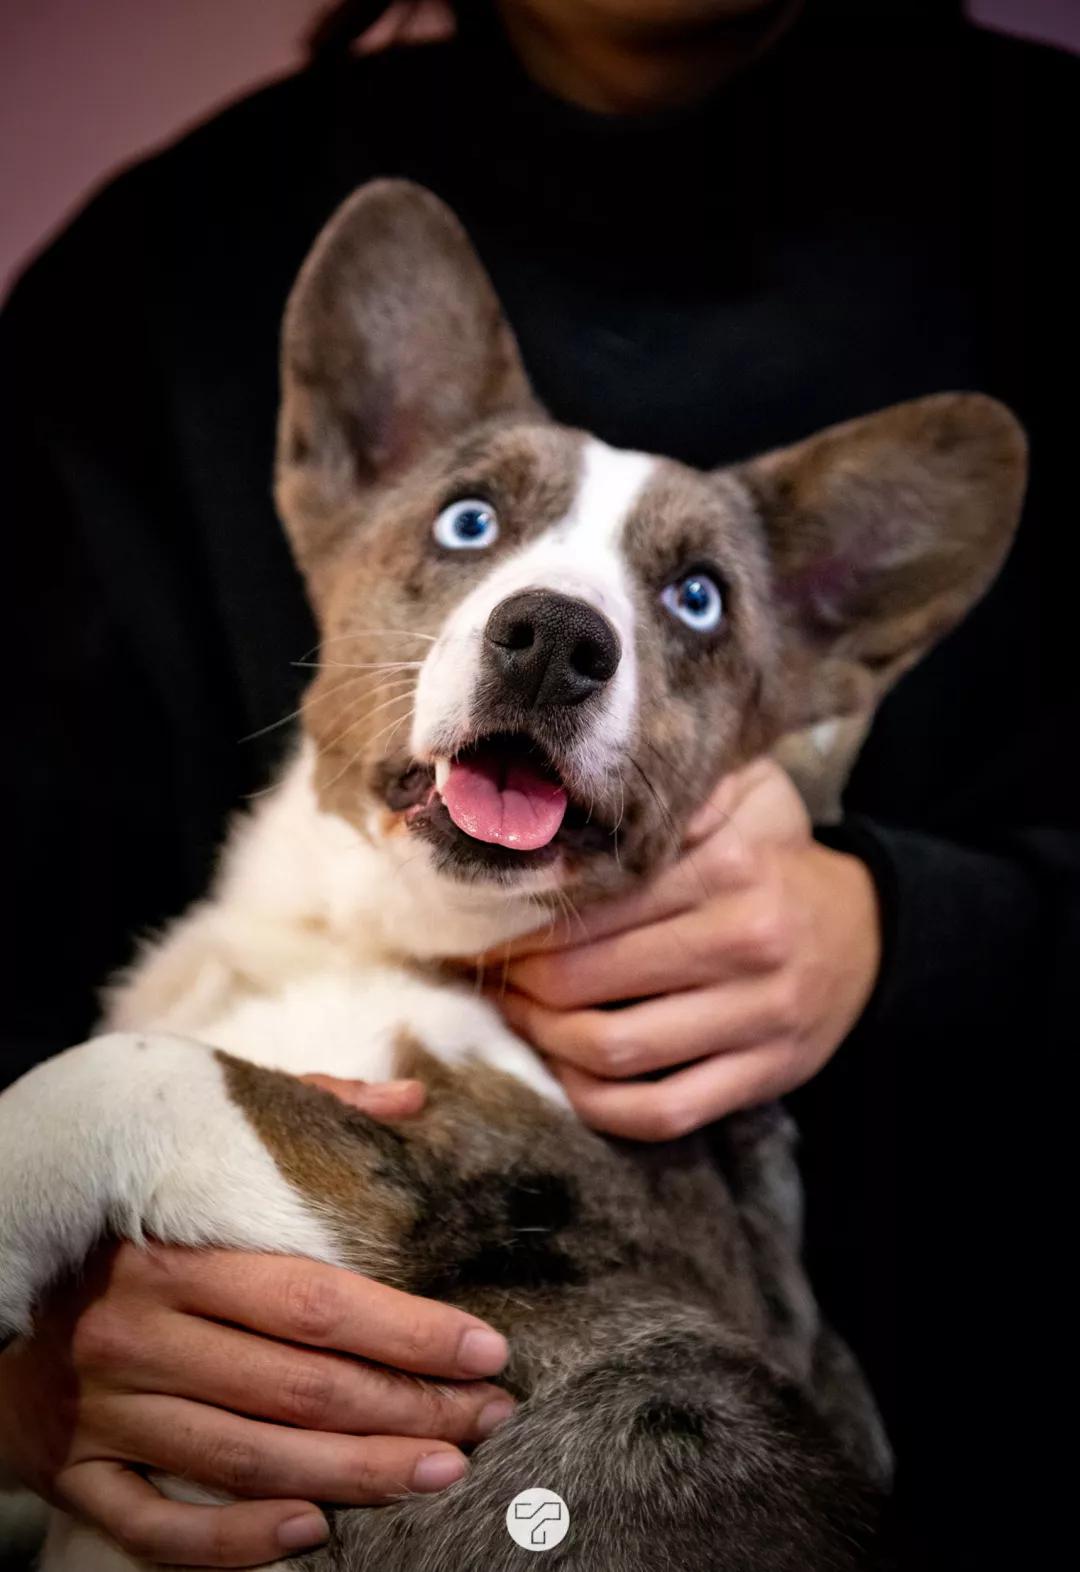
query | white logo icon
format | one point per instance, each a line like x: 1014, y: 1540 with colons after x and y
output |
x: 538, y: 1519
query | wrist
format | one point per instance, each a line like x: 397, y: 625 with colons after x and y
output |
x: 851, y: 916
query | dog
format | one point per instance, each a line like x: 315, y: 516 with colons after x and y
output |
x: 538, y: 654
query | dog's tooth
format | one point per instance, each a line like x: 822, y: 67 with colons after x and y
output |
x: 442, y: 773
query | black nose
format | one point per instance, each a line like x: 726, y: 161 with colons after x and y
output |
x: 550, y: 649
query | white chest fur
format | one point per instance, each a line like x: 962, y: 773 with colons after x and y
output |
x: 348, y: 1024
x: 296, y: 960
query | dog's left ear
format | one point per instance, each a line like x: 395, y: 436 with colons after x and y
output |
x: 882, y: 533
x: 393, y: 343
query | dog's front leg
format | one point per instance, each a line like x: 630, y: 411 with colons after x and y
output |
x: 133, y: 1134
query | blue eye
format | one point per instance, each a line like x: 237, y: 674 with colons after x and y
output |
x: 470, y: 525
x: 697, y: 601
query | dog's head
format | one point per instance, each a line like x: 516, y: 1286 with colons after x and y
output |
x: 539, y: 652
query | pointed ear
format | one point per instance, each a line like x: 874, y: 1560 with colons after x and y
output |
x: 393, y: 343
x: 882, y: 533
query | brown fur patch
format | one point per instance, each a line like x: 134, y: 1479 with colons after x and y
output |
x: 496, y: 1199
x: 344, y: 1163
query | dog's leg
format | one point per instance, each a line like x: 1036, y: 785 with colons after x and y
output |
x: 756, y: 1150
x: 672, y: 1447
x: 133, y: 1134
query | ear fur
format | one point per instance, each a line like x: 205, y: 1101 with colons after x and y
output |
x: 882, y: 533
x: 393, y: 343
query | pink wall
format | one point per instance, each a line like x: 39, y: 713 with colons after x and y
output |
x: 1057, y: 21
x: 87, y: 84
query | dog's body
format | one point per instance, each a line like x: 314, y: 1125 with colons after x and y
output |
x: 682, y: 1394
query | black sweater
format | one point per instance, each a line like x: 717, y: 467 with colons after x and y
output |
x: 867, y: 215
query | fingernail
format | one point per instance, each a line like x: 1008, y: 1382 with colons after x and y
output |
x: 438, y: 1470
x: 303, y: 1533
x: 388, y: 1089
x: 495, y: 1414
x: 482, y: 1351
x: 392, y: 1100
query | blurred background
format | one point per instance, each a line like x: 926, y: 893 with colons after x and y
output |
x: 90, y: 84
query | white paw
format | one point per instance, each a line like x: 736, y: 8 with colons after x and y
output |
x: 132, y: 1134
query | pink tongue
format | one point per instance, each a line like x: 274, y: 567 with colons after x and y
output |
x: 508, y: 804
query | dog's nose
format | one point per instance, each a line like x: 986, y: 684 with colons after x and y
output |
x: 550, y: 649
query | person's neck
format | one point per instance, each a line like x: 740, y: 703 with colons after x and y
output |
x: 643, y: 69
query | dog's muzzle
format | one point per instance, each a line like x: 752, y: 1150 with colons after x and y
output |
x: 548, y: 651
x: 509, y: 794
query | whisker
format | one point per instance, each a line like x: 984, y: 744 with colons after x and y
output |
x: 300, y: 708
x: 661, y: 805
x: 351, y: 760
x: 358, y: 665
x: 360, y: 633
x: 363, y: 633
x: 367, y: 692
x: 676, y: 841
x: 618, y: 821
x: 622, y: 805
x: 395, y: 698
x: 319, y: 698
x: 670, y: 765
x: 393, y: 726
x: 567, y: 912
x: 723, y: 820
x: 575, y: 914
x: 504, y: 980
x: 263, y: 791
x: 284, y: 721
x: 308, y: 702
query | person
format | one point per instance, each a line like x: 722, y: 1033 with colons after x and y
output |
x: 716, y: 226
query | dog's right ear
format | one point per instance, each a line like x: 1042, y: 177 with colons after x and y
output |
x: 393, y: 343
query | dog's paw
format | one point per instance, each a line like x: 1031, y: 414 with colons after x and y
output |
x: 132, y: 1135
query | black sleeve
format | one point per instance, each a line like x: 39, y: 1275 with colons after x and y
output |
x: 89, y: 762
x: 965, y: 806
x: 977, y: 942
x: 938, y: 1157
x: 938, y: 1141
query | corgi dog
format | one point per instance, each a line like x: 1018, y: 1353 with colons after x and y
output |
x: 538, y: 653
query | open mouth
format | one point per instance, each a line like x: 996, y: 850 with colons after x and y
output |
x: 504, y: 792
x: 500, y: 804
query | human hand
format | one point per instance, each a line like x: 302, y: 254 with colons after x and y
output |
x: 748, y: 962
x: 198, y: 1362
